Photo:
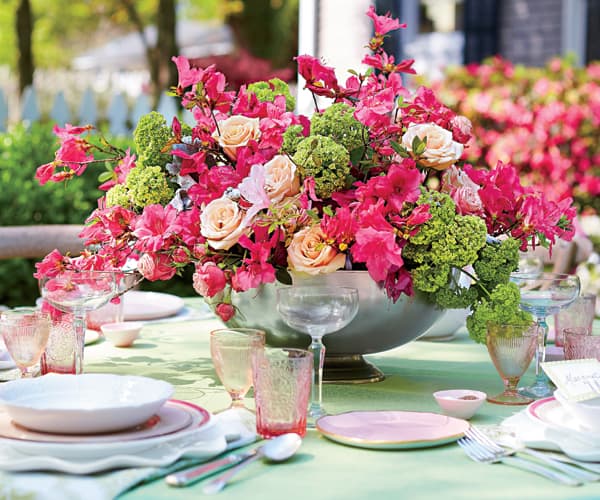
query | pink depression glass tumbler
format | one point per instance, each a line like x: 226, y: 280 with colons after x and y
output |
x: 282, y: 381
x: 64, y: 351
x: 582, y: 343
x: 579, y: 314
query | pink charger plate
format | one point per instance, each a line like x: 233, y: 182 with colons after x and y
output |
x: 391, y: 429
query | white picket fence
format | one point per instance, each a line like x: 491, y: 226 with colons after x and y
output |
x: 119, y: 115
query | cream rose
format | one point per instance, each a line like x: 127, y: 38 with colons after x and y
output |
x: 441, y: 151
x: 221, y: 223
x: 281, y: 178
x: 309, y: 253
x: 236, y: 131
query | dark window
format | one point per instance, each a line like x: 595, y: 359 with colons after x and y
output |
x: 592, y: 52
x: 481, y: 29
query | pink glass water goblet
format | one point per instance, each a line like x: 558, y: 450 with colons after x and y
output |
x: 231, y: 350
x: 317, y: 311
x: 25, y: 332
x: 511, y: 348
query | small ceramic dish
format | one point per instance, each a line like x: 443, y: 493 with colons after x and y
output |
x: 460, y: 403
x: 122, y: 334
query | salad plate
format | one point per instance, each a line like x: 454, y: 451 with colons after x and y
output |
x: 391, y: 429
x: 200, y: 422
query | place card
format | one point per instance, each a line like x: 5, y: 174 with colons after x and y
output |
x: 577, y: 379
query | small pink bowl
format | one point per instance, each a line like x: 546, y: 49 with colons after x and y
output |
x: 460, y: 403
x: 122, y: 334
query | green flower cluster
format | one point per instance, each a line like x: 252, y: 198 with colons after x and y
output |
x: 291, y: 138
x: 445, y: 242
x: 501, y: 307
x: 325, y: 160
x: 496, y: 261
x: 338, y: 122
x: 147, y: 186
x: 150, y: 136
x: 266, y: 92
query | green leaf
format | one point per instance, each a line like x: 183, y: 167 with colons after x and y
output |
x: 397, y: 147
x: 105, y: 176
x: 283, y: 276
x: 328, y: 211
x: 356, y: 155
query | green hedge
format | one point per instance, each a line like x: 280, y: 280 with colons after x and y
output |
x: 24, y: 202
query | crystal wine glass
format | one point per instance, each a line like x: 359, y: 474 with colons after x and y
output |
x: 317, y: 311
x: 231, y: 350
x: 25, y: 331
x: 77, y: 292
x: 543, y: 295
x: 511, y: 348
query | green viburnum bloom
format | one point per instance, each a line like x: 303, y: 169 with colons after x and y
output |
x: 148, y: 185
x: 118, y: 195
x: 325, y: 160
x: 150, y: 136
x: 266, y: 92
x: 338, y: 122
x: 291, y: 138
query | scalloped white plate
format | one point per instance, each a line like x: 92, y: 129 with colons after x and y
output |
x: 141, y: 306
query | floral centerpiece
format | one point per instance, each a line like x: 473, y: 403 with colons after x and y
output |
x: 253, y: 191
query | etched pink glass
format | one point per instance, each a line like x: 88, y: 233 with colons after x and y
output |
x: 282, y: 381
x: 578, y: 314
x: 64, y: 351
x: 582, y: 343
x: 511, y: 348
x: 231, y: 351
x: 25, y: 332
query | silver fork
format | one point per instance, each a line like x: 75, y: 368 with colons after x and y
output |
x: 502, y: 450
x: 479, y: 453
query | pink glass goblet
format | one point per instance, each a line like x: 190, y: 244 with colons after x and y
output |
x: 511, y: 348
x: 25, y: 332
x: 231, y: 350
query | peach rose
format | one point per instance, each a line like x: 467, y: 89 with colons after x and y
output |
x: 309, y: 253
x: 463, y: 191
x: 281, y: 178
x: 236, y: 131
x: 441, y: 151
x: 221, y: 223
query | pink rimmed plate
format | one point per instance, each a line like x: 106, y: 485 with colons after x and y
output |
x: 200, y: 421
x: 391, y: 429
x: 170, y: 418
x: 551, y: 413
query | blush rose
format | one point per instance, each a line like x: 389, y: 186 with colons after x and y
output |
x: 309, y: 253
x: 236, y: 131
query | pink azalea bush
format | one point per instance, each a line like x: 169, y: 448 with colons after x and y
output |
x: 252, y: 192
x: 545, y: 121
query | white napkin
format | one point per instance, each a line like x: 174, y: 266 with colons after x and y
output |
x: 521, y: 430
x: 107, y: 485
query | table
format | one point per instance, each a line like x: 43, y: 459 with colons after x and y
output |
x: 179, y: 353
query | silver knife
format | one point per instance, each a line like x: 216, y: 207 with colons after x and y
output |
x: 194, y: 474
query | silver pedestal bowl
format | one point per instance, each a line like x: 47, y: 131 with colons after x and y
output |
x: 380, y: 324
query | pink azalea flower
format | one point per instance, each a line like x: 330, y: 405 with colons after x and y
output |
x: 154, y: 227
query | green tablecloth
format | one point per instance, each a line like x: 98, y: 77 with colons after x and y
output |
x: 179, y: 353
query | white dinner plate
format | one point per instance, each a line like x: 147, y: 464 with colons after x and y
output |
x: 550, y: 412
x: 6, y: 361
x: 391, y: 429
x: 201, y: 421
x: 141, y: 306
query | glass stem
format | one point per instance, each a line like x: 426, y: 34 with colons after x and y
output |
x: 79, y: 324
x: 318, y: 350
x: 540, y: 352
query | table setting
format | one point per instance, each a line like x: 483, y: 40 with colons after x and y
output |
x: 320, y: 247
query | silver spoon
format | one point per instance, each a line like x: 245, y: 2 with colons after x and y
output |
x: 277, y: 450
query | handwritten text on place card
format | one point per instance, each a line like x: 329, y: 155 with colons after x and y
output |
x: 577, y: 379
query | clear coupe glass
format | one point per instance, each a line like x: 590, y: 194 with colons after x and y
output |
x: 317, y: 311
x: 543, y: 295
x: 78, y: 292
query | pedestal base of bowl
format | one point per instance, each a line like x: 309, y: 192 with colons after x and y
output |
x: 350, y: 369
